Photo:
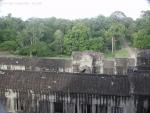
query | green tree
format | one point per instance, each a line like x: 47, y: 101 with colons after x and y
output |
x: 146, y: 13
x: 9, y: 29
x: 32, y: 34
x: 9, y: 46
x: 59, y: 41
x: 141, y: 39
x: 38, y: 49
x: 76, y: 39
x: 7, y: 35
x: 61, y: 36
x: 115, y: 32
x: 118, y: 15
x: 142, y: 34
x: 97, y: 44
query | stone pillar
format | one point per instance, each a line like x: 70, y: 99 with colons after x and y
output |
x: 10, y: 95
x: 65, y: 107
x: 130, y: 106
x: 93, y: 108
x: 51, y: 107
x: 108, y: 109
x: 70, y: 108
x: 101, y: 67
x: 78, y: 106
x: 115, y: 67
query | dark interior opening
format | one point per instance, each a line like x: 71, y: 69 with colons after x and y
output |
x: 76, y: 108
x: 101, y: 109
x: 21, y: 108
x: 58, y: 107
x: 89, y: 109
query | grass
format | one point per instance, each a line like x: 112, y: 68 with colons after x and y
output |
x: 109, y: 55
x: 123, y: 53
x: 59, y: 57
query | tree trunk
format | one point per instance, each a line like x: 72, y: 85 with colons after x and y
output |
x: 112, y: 44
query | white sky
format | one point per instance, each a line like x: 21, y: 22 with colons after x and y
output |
x: 71, y: 9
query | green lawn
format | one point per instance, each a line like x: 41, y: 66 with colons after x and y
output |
x: 123, y: 53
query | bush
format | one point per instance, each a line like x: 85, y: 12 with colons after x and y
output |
x: 9, y: 46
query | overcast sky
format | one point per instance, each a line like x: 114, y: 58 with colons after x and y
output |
x: 71, y: 9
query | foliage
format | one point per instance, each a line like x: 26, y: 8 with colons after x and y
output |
x: 76, y: 39
x: 59, y: 37
x: 8, y: 46
x: 122, y: 53
x: 142, y: 35
x: 97, y: 44
x: 141, y: 39
x: 38, y: 49
x: 58, y: 43
x: 116, y: 31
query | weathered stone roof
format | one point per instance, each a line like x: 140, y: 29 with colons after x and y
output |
x: 65, y: 82
x: 140, y: 82
x: 135, y: 83
x: 36, y: 62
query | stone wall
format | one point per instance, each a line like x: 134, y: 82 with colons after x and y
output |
x: 31, y: 102
x: 80, y: 62
x: 93, y: 62
x: 87, y: 62
x: 143, y: 59
x: 46, y: 92
x: 108, y: 67
x: 36, y: 64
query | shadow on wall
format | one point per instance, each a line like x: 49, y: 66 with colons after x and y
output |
x: 2, y: 110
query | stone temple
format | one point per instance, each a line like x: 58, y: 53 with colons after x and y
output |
x: 80, y: 62
x: 84, y: 83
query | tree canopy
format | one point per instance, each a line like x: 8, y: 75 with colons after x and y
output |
x: 76, y: 39
x: 54, y: 37
x: 142, y: 34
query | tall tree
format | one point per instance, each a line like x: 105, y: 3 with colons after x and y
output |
x: 9, y: 29
x: 97, y: 44
x: 118, y: 15
x: 142, y: 35
x: 116, y: 31
x: 32, y: 34
x: 76, y: 39
x: 59, y: 41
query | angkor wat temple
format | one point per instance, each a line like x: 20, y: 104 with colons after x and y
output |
x: 85, y: 83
